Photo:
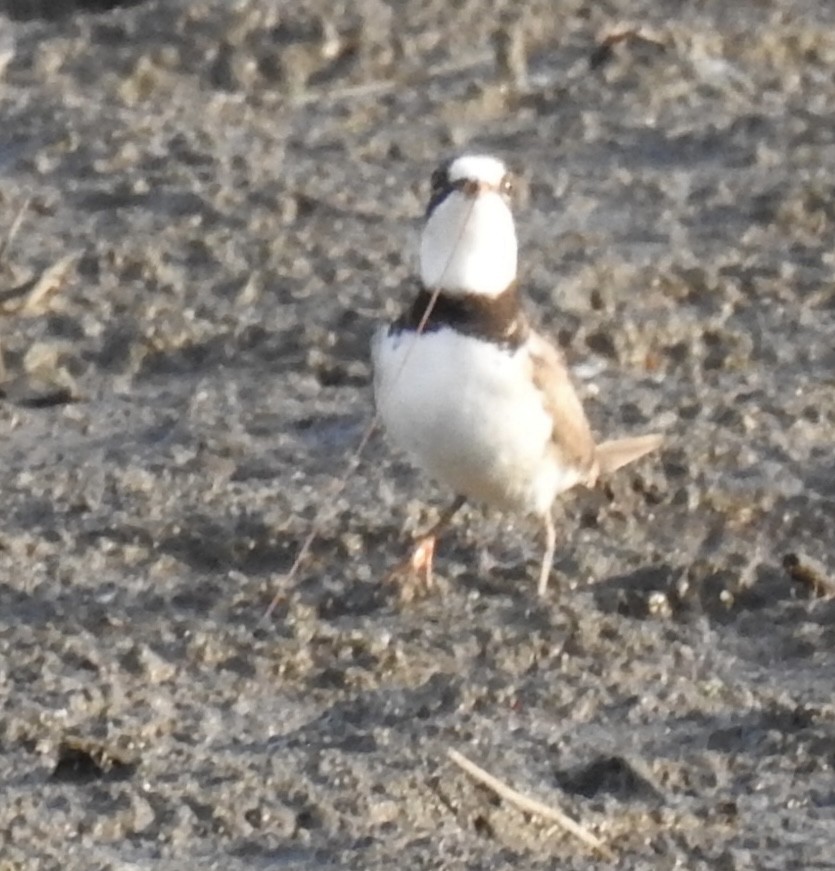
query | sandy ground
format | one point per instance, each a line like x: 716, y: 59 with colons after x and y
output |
x: 223, y: 199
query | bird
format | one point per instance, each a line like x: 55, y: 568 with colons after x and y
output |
x: 480, y: 400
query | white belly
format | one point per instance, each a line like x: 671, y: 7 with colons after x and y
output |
x: 468, y: 414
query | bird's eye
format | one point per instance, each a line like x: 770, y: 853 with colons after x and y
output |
x: 506, y: 185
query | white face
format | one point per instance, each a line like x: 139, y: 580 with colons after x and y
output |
x: 468, y: 243
x: 477, y: 167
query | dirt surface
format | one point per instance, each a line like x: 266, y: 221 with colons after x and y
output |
x: 217, y: 202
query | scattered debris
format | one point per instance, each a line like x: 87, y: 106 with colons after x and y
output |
x: 81, y: 760
x: 27, y: 393
x: 638, y: 36
x: 50, y: 281
x: 511, y: 56
x: 625, y: 778
x: 811, y: 574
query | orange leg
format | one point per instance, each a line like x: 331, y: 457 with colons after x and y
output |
x: 417, y: 567
x: 422, y: 559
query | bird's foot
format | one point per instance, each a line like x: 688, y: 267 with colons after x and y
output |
x: 414, y: 575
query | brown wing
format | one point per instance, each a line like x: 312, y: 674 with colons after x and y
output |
x: 571, y: 436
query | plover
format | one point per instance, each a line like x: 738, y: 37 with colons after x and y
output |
x: 481, y: 401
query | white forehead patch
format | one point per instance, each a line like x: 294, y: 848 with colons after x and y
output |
x: 477, y: 167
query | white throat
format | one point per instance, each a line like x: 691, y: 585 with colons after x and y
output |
x: 469, y: 245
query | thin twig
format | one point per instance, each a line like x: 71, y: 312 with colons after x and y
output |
x: 18, y: 220
x: 315, y: 527
x: 353, y: 463
x: 528, y: 804
x: 356, y: 456
x: 381, y: 86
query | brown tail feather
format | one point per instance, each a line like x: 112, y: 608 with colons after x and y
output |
x: 618, y: 452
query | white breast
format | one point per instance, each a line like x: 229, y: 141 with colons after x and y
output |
x: 467, y: 412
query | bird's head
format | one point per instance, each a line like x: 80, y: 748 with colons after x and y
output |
x: 468, y: 244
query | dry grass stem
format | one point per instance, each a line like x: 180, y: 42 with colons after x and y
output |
x: 15, y: 226
x: 353, y: 465
x: 382, y: 86
x: 530, y: 805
